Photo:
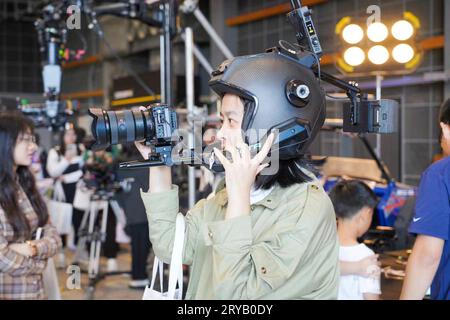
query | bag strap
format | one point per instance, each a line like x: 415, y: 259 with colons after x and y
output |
x: 176, y: 264
x: 157, y: 265
x: 58, y: 192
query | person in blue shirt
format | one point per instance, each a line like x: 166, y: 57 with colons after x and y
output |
x: 429, y: 263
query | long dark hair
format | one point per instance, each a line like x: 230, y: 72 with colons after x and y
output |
x: 12, y: 125
x: 290, y: 172
x: 62, y: 145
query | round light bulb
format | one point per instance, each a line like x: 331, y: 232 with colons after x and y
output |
x: 352, y: 34
x: 354, y: 56
x: 403, y: 53
x: 378, y: 54
x: 377, y: 32
x: 402, y: 30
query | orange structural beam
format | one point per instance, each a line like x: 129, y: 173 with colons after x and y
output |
x: 267, y: 12
x: 82, y: 94
x: 83, y: 62
x: 436, y: 42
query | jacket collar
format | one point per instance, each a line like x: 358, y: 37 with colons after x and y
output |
x: 271, y: 201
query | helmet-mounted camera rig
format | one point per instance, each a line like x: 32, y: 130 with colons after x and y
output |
x: 299, y: 72
x: 359, y: 115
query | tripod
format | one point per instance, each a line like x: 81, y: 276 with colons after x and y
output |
x: 93, y: 231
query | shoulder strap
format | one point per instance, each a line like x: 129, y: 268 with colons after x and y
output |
x: 176, y: 264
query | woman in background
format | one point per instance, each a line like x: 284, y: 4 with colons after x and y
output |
x: 22, y: 211
x: 65, y: 163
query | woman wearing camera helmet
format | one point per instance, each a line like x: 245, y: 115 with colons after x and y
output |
x: 262, y: 235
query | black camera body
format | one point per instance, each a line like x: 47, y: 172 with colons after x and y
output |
x: 371, y: 116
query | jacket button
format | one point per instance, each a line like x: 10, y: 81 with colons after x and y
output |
x: 252, y: 208
x: 210, y: 234
x: 263, y: 270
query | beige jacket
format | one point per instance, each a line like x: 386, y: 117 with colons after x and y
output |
x: 287, y: 248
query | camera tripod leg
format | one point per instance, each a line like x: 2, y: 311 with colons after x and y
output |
x: 98, y: 235
x: 82, y: 237
x: 92, y: 217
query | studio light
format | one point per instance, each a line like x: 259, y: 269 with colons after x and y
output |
x: 352, y: 34
x: 378, y: 54
x: 377, y: 32
x: 403, y: 53
x: 402, y: 30
x: 354, y: 56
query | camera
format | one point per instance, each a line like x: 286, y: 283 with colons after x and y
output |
x: 51, y: 114
x: 371, y: 116
x: 154, y: 124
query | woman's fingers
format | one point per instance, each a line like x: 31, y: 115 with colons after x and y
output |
x: 261, y: 168
x: 221, y: 157
x: 265, y: 149
x: 231, y: 148
x: 244, y: 151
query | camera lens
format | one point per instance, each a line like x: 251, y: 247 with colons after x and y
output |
x: 154, y: 125
x: 100, y: 128
x: 116, y: 127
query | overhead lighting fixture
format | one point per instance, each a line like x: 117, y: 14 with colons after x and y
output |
x: 403, y: 53
x: 402, y: 30
x: 377, y: 32
x: 352, y: 34
x: 354, y: 56
x: 378, y: 54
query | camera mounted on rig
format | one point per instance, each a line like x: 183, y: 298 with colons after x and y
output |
x: 155, y: 125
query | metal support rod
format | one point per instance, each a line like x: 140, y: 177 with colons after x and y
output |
x: 200, y: 57
x: 162, y: 71
x: 212, y: 33
x: 165, y: 56
x: 379, y: 78
x: 189, y: 41
x: 374, y: 156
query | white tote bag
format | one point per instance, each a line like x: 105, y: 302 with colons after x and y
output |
x: 82, y: 197
x: 50, y: 277
x: 60, y: 212
x: 176, y: 269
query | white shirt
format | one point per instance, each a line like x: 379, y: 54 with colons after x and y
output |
x: 57, y: 164
x: 258, y: 195
x: 352, y: 287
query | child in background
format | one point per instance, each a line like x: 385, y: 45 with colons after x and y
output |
x: 353, y: 203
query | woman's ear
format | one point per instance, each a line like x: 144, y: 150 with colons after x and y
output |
x: 445, y: 130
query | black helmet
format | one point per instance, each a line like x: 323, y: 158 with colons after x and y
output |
x: 282, y: 94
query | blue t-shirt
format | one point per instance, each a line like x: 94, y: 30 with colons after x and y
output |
x: 432, y: 218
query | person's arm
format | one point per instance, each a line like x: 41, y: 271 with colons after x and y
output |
x: 160, y: 178
x: 49, y: 244
x: 14, y: 263
x: 55, y: 164
x: 162, y: 209
x: 367, y: 267
x: 421, y: 267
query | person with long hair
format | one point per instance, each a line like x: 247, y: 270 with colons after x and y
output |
x: 65, y: 163
x: 22, y: 211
